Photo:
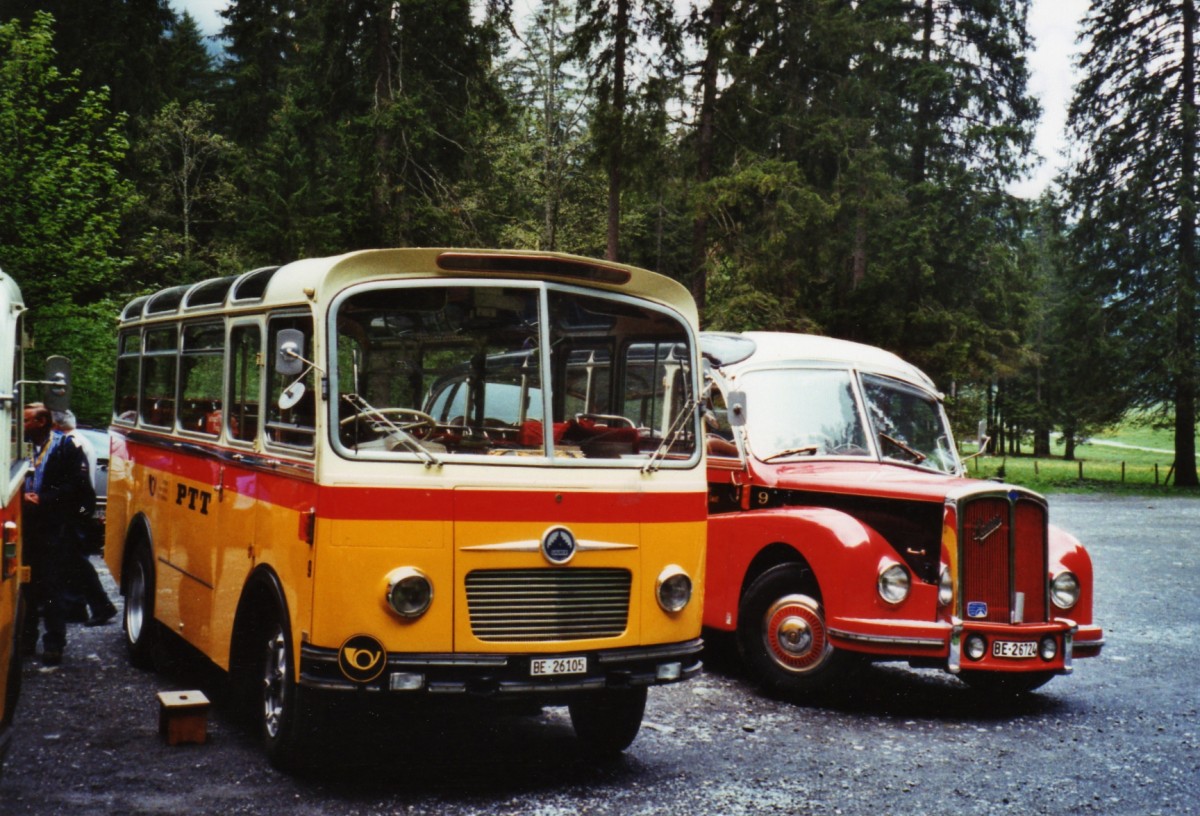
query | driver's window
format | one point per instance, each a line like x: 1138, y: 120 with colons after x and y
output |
x: 291, y: 424
x: 718, y: 431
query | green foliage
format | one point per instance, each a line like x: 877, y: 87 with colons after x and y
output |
x: 86, y: 334
x: 1134, y: 192
x: 840, y: 169
x: 62, y: 197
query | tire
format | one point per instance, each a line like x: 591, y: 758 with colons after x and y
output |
x: 285, y: 716
x: 606, y: 722
x: 1005, y: 684
x: 782, y: 634
x: 138, y: 619
x: 13, y: 686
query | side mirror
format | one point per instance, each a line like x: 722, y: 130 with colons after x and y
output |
x: 289, y: 352
x: 56, y: 387
x: 735, y: 404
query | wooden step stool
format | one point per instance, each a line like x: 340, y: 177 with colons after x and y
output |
x: 183, y: 717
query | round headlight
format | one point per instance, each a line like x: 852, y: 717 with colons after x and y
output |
x: 409, y: 592
x: 1048, y: 648
x: 674, y: 588
x: 976, y: 647
x: 894, y: 584
x: 1064, y: 590
x: 945, y: 587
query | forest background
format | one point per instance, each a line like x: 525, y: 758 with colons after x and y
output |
x: 833, y: 166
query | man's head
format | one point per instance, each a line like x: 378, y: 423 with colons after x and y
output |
x: 64, y: 420
x: 37, y: 422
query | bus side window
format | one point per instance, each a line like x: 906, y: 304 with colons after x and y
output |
x: 245, y: 346
x: 157, y: 394
x: 125, y: 407
x: 294, y: 426
x: 201, y: 368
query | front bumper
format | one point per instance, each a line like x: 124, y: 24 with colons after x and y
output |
x: 491, y: 675
x: 941, y: 643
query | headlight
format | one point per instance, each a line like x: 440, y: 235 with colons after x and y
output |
x: 409, y: 592
x: 1048, y: 648
x: 674, y: 588
x: 894, y: 584
x: 976, y: 647
x: 945, y: 587
x: 1064, y: 590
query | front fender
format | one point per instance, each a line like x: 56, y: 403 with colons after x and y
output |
x: 1067, y: 553
x: 844, y: 554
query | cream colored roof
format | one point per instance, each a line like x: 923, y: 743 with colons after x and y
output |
x: 788, y: 348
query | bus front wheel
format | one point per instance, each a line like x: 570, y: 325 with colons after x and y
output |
x: 284, y: 714
x: 606, y: 722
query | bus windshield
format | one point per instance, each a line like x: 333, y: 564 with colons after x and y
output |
x: 436, y: 370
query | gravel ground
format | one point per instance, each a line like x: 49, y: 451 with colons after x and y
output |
x: 1120, y: 736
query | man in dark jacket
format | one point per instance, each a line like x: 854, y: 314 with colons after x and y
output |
x: 57, y: 494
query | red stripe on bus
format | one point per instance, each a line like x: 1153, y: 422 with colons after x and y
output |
x: 421, y: 504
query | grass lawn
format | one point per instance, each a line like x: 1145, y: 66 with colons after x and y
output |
x: 1132, y: 457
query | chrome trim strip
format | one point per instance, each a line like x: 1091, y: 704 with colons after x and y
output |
x: 535, y: 546
x: 886, y: 640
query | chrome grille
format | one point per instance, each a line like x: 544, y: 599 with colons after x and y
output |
x: 1003, y: 552
x: 525, y: 605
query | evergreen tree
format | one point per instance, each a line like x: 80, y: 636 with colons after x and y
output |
x: 1134, y: 191
x: 61, y: 203
x: 620, y: 39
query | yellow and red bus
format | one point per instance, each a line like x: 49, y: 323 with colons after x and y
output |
x: 11, y: 450
x: 409, y: 472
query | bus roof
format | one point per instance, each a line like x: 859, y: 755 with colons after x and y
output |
x: 319, y: 278
x: 757, y: 348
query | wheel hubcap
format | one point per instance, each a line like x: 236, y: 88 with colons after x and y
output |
x: 794, y: 632
x: 274, y: 680
x: 135, y: 605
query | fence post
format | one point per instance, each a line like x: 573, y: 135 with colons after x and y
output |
x: 1122, y: 473
x: 1156, y: 473
x: 1081, y: 470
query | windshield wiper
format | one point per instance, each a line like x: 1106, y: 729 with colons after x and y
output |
x: 917, y: 456
x: 807, y: 450
x: 670, y: 437
x: 409, y: 441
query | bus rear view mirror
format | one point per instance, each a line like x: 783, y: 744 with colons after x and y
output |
x: 289, y: 352
x: 735, y: 403
x: 56, y: 387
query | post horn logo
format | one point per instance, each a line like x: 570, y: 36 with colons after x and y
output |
x: 362, y: 658
x: 558, y: 545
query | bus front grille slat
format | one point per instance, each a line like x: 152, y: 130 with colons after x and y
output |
x: 538, y: 605
x: 1004, y: 552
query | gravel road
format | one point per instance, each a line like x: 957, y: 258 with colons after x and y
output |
x: 1120, y: 736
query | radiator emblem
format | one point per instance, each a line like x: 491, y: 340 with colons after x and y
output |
x: 976, y: 609
x: 558, y: 545
x: 987, y: 529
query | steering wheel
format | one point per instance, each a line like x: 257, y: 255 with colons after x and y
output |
x: 417, y: 423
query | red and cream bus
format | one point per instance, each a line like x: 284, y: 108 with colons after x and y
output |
x: 398, y: 473
x: 843, y: 528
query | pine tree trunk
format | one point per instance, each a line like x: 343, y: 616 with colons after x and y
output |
x: 382, y: 199
x: 1185, y: 317
x: 612, y: 252
x: 704, y: 146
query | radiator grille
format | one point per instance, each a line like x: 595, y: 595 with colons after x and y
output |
x: 527, y: 605
x: 997, y: 564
